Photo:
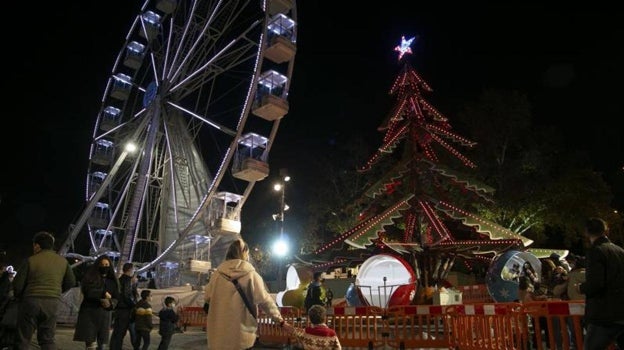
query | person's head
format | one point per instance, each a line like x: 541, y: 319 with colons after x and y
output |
x: 104, y: 265
x: 317, y: 276
x: 595, y: 227
x: 146, y: 294
x: 317, y: 314
x: 128, y: 269
x: 556, y: 259
x: 548, y: 265
x: 579, y: 262
x: 42, y: 240
x: 169, y: 301
x: 238, y: 250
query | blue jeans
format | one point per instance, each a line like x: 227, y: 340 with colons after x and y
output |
x: 599, y: 337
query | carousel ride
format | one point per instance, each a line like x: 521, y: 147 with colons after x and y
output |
x: 186, y: 123
x: 414, y: 224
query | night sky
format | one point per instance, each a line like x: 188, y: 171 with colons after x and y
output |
x: 568, y: 61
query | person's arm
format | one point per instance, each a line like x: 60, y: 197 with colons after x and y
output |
x: 262, y: 298
x: 111, y: 286
x: 69, y: 279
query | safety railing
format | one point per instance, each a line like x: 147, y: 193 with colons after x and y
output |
x: 357, y: 326
x: 271, y: 333
x: 554, y: 324
x: 416, y: 326
x: 193, y: 316
x: 482, y: 326
x: 476, y: 293
x: 486, y: 326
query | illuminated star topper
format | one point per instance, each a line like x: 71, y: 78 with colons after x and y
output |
x: 404, y: 47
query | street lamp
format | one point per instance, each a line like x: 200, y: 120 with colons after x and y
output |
x: 280, y: 247
x: 281, y: 187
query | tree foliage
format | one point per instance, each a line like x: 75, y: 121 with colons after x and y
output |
x: 334, y: 204
x: 542, y: 190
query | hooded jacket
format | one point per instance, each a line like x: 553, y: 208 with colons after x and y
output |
x: 230, y: 325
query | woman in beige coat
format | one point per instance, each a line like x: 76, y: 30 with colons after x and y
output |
x: 230, y: 326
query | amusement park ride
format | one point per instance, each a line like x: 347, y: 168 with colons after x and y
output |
x: 410, y: 232
x: 188, y: 117
x: 186, y: 123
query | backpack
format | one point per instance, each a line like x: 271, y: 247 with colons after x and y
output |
x: 313, y: 296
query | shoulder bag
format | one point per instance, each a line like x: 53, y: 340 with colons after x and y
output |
x: 245, y: 300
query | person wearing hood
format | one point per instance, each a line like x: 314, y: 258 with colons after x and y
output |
x: 230, y: 325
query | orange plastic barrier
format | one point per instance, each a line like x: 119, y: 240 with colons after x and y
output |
x: 358, y: 326
x: 272, y: 334
x: 554, y: 324
x: 193, y: 316
x: 482, y: 326
x: 486, y: 326
x: 476, y: 294
x: 416, y: 326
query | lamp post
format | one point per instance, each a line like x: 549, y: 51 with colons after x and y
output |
x: 280, y: 248
x: 281, y: 187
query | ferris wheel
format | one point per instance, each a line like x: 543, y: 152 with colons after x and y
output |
x: 186, y: 123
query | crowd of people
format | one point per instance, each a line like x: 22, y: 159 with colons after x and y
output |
x: 598, y: 279
x: 237, y: 290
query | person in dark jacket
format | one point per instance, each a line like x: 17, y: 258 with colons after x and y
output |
x: 8, y: 309
x: 315, y: 294
x: 123, y: 315
x: 168, y: 320
x: 6, y: 287
x: 603, y: 289
x: 143, y: 320
x: 100, y: 290
x: 38, y: 286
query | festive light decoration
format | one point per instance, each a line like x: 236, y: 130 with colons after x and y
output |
x: 404, y: 47
x: 407, y: 210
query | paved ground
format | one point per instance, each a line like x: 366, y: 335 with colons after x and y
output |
x: 192, y: 339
